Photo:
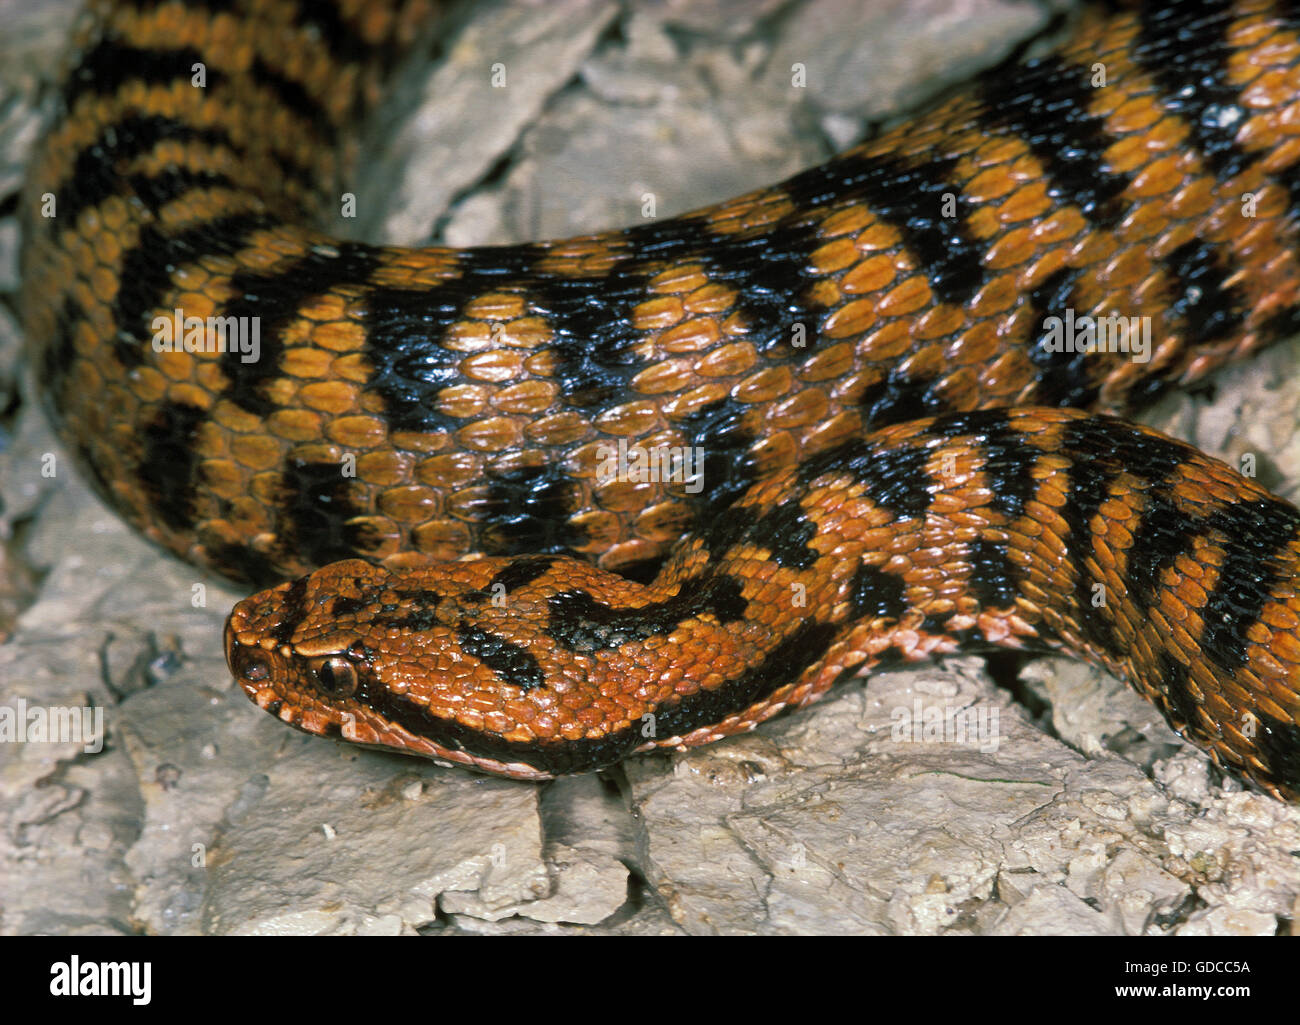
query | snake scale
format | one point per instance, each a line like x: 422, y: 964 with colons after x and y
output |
x: 898, y: 456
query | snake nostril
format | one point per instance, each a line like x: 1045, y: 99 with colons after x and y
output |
x: 254, y: 667
x: 247, y: 664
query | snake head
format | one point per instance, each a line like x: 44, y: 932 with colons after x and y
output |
x: 279, y: 654
x: 449, y: 660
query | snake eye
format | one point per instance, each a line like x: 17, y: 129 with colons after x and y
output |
x: 336, y: 677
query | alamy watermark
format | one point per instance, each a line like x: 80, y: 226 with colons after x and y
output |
x: 179, y: 333
x: 662, y: 464
x: 77, y: 978
x: 57, y: 724
x: 976, y: 725
x: 1098, y: 334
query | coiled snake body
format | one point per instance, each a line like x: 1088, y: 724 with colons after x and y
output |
x: 867, y: 359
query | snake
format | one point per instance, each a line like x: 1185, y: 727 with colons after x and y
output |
x: 532, y: 509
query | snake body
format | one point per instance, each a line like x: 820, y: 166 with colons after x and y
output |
x: 898, y: 460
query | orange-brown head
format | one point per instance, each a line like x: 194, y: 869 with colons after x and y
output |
x: 525, y: 667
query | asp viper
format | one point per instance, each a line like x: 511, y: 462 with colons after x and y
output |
x: 863, y: 355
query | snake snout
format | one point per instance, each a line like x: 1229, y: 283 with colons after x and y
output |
x: 250, y: 666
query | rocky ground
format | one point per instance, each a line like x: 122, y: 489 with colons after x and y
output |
x: 1077, y: 812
